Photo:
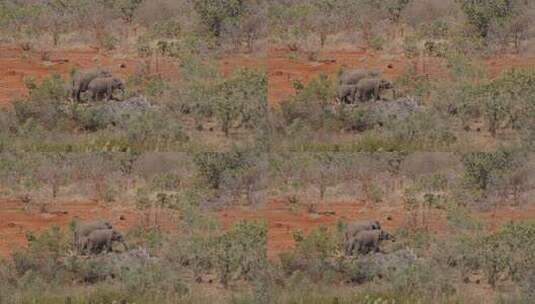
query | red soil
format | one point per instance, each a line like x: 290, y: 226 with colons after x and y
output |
x: 285, y: 66
x: 14, y: 221
x: 281, y: 219
x: 15, y: 65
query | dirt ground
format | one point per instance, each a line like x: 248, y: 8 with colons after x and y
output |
x: 285, y: 66
x: 281, y: 218
x: 282, y: 69
x: 16, y: 65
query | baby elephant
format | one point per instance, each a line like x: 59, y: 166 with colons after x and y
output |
x: 102, y: 240
x: 81, y: 80
x: 103, y: 87
x: 370, y: 88
x: 368, y: 241
x: 84, y: 229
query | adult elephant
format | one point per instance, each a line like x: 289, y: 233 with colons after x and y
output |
x: 368, y: 241
x: 102, y: 240
x: 352, y: 77
x: 355, y: 228
x: 83, y: 229
x: 81, y: 80
x: 371, y: 88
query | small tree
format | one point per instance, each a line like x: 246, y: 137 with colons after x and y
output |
x: 213, y: 14
x: 484, y: 169
x: 241, y: 99
x: 482, y: 14
x: 127, y: 8
x: 241, y: 252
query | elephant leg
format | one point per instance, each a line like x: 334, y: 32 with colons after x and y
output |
x: 109, y: 244
x: 89, y: 248
x: 350, y: 98
x: 109, y: 93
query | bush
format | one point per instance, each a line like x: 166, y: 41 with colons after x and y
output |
x: 509, y: 252
x: 212, y: 166
x: 310, y: 105
x: 44, y: 104
x: 108, y: 42
x: 241, y: 98
x: 312, y: 254
x: 42, y: 257
x: 483, y: 169
x: 377, y: 42
x: 483, y: 14
x: 241, y: 252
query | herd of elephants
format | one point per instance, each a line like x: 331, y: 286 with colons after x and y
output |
x: 353, y: 85
x: 95, y: 237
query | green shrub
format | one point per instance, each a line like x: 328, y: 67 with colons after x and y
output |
x: 312, y: 254
x: 509, y: 252
x: 44, y: 104
x: 242, y: 99
x: 108, y: 42
x: 42, y: 257
x: 166, y: 29
x: 377, y: 42
x: 483, y: 169
x: 241, y: 252
x: 482, y: 14
x: 310, y: 105
x: 91, y: 118
x: 375, y: 193
x: 212, y: 166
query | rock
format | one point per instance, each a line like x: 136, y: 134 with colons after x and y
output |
x: 129, y: 107
x: 399, y: 109
x: 327, y: 213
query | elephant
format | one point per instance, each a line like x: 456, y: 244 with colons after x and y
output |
x: 81, y: 80
x: 369, y: 88
x: 102, y: 239
x: 68, y: 91
x: 84, y: 229
x: 103, y: 87
x: 356, y: 227
x: 346, y: 93
x: 352, y: 77
x: 368, y: 241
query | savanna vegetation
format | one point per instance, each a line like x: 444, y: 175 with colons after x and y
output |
x: 435, y: 158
